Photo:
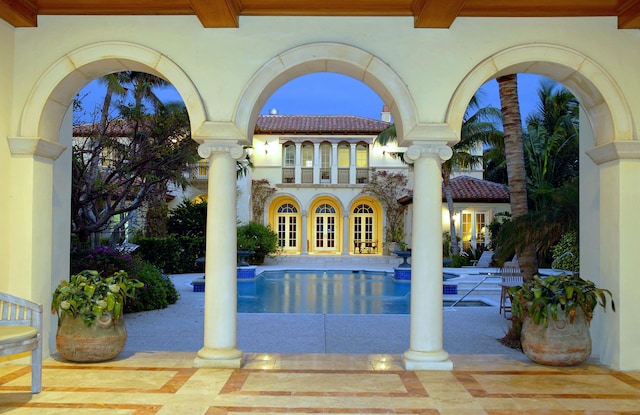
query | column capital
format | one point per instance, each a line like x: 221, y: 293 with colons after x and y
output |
x: 209, y: 147
x: 416, y: 151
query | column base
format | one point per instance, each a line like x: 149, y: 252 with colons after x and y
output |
x: 438, y: 360
x: 219, y: 358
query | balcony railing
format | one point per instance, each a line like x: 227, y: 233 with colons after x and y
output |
x: 307, y: 175
x: 343, y: 176
x: 362, y: 176
x: 288, y: 175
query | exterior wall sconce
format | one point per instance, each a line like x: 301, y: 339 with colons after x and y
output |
x: 266, y: 147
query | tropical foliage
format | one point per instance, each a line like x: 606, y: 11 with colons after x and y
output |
x: 550, y: 151
x: 388, y: 187
x: 544, y: 298
x: 121, y: 163
x: 478, y: 128
x: 90, y: 296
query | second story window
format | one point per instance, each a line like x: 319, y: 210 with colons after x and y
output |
x: 289, y: 155
x: 343, y: 156
x: 307, y: 155
x: 325, y: 162
x: 362, y: 156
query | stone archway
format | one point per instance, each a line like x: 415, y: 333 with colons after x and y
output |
x: 608, y: 146
x: 53, y: 93
x: 45, y: 120
x: 326, y: 57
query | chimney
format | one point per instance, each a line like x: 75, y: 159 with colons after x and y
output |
x: 385, y: 115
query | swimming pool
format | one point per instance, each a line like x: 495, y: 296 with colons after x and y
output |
x: 322, y: 292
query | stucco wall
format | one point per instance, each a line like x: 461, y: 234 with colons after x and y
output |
x: 6, y: 93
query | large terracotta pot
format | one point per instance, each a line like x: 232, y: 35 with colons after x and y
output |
x: 101, y: 341
x: 560, y: 343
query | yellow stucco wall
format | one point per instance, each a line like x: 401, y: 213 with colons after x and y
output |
x: 224, y: 75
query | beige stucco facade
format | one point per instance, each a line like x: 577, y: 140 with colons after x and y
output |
x: 425, y: 76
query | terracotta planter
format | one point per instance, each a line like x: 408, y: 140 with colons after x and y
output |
x: 102, y: 341
x: 560, y: 343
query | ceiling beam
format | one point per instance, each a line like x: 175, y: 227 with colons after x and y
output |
x: 629, y: 14
x: 19, y: 13
x: 217, y: 13
x: 436, y: 13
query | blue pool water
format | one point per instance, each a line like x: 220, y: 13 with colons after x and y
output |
x: 318, y: 292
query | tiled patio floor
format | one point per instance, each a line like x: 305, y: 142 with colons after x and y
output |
x: 166, y: 383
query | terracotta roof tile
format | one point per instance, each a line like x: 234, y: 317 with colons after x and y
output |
x: 465, y: 188
x: 470, y: 189
x: 318, y: 124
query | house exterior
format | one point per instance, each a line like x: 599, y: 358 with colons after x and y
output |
x: 424, y: 62
x: 320, y: 166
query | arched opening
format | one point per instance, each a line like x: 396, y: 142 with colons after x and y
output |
x: 605, y: 123
x: 47, y: 114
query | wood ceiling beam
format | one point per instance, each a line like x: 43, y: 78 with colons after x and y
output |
x: 217, y: 13
x: 19, y: 13
x: 629, y: 14
x: 436, y: 13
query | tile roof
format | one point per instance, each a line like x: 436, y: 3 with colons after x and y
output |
x: 318, y: 124
x: 470, y: 189
x: 465, y: 188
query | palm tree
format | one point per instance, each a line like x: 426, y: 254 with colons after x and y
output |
x: 477, y: 128
x: 514, y: 153
x: 551, y: 155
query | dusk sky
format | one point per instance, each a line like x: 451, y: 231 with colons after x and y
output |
x: 325, y: 93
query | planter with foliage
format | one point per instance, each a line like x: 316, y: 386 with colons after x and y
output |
x: 555, y: 313
x: 90, y: 308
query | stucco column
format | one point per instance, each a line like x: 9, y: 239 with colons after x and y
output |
x: 615, y: 334
x: 345, y: 233
x: 298, y: 165
x: 31, y: 202
x: 334, y: 163
x: 220, y: 297
x: 425, y: 347
x: 304, y: 216
x: 352, y: 163
x: 316, y: 163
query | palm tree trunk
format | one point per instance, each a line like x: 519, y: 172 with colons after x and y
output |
x: 512, y: 124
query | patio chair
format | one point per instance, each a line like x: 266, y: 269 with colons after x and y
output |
x: 21, y: 331
x: 484, y: 261
x: 510, y: 276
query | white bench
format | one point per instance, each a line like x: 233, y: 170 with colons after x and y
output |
x: 21, y: 331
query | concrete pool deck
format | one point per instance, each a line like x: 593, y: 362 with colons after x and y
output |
x: 467, y: 330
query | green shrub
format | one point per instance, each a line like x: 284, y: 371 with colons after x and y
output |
x: 158, y: 291
x: 172, y: 254
x: 258, y: 238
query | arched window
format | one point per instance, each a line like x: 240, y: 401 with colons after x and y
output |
x: 325, y: 162
x: 363, y: 228
x: 289, y: 155
x: 287, y: 227
x: 325, y: 228
x: 362, y: 155
x: 288, y: 163
x: 344, y: 161
x: 307, y: 163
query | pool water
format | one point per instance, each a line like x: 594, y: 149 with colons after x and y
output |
x: 319, y: 292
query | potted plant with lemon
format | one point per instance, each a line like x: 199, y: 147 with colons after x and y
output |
x: 555, y: 313
x: 90, y: 311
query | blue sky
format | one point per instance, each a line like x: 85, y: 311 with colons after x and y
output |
x: 325, y: 93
